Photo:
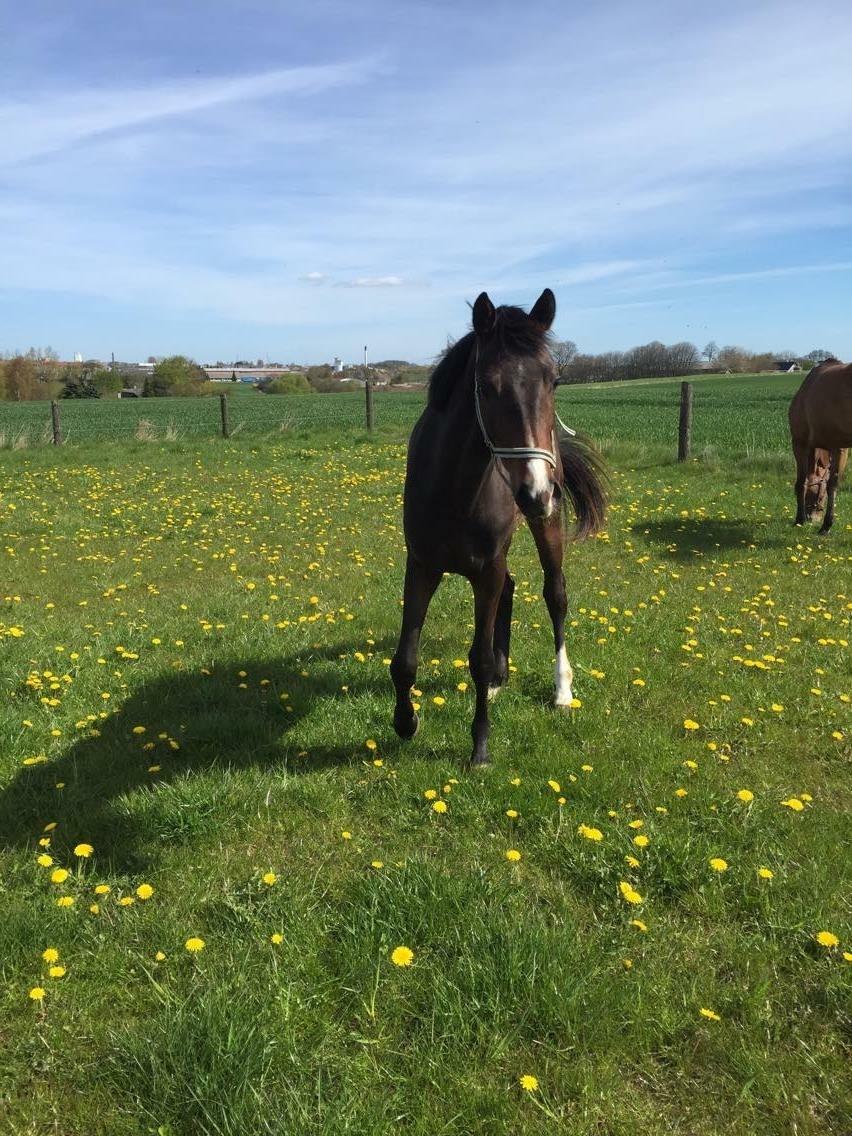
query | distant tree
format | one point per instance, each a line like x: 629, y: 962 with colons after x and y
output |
x: 819, y: 355
x: 735, y: 359
x: 234, y: 378
x: 286, y: 384
x: 564, y: 353
x: 683, y: 358
x: 22, y: 380
x: 176, y: 376
x: 78, y: 382
x: 711, y: 351
x: 107, y: 382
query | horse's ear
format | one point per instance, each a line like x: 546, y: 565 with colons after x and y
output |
x: 484, y: 314
x: 544, y: 310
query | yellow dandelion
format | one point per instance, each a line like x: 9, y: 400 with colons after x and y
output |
x: 371, y: 744
x: 718, y: 864
x: 144, y: 891
x: 765, y: 873
x: 629, y: 893
x: 590, y: 833
x: 528, y: 1083
x: 126, y: 901
x: 439, y: 806
x: 57, y: 972
x: 269, y: 878
x: 793, y: 803
x: 402, y: 956
x: 346, y: 835
x: 37, y: 993
x: 711, y: 1015
x: 50, y: 954
x: 59, y: 875
x: 639, y: 925
x: 826, y: 939
x: 44, y: 861
x: 512, y: 814
x: 160, y: 956
x: 83, y: 851
x: 641, y: 841
x: 430, y: 794
x: 689, y: 724
x: 194, y: 945
x: 276, y: 938
x: 513, y: 855
x: 745, y: 795
x: 103, y: 889
x: 555, y: 786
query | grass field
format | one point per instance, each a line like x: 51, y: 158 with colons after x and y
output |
x: 194, y: 638
x: 743, y: 413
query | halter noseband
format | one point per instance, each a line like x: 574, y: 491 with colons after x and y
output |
x: 523, y: 453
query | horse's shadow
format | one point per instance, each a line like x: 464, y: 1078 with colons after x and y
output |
x: 690, y: 538
x: 228, y: 717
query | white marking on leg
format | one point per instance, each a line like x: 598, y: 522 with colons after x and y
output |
x: 564, y: 678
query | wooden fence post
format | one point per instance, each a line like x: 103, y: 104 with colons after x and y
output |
x: 57, y: 425
x: 226, y: 425
x: 685, y: 432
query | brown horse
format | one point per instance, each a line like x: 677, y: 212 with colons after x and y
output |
x: 483, y: 454
x: 820, y: 418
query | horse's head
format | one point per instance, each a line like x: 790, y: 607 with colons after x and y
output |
x: 514, y: 377
x: 816, y: 485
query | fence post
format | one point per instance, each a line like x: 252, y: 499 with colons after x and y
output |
x: 226, y: 425
x: 685, y: 432
x: 368, y: 394
x: 57, y: 426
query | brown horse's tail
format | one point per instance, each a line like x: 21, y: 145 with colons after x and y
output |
x: 586, y: 482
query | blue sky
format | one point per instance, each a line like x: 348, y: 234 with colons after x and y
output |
x: 256, y: 178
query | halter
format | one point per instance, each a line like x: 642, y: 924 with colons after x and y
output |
x: 523, y: 453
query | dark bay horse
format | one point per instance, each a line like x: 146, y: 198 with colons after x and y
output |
x: 820, y: 418
x: 484, y: 454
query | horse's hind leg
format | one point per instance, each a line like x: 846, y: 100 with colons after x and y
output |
x: 487, y: 592
x: 420, y: 585
x: 833, y: 477
x: 550, y: 542
x: 502, y: 635
x: 805, y: 457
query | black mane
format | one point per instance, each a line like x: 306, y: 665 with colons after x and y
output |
x: 514, y: 334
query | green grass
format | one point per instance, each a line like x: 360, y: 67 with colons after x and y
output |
x: 742, y: 413
x: 240, y: 601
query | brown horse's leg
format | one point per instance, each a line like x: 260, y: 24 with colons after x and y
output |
x: 805, y: 457
x: 550, y: 542
x: 833, y: 477
x: 502, y: 635
x: 487, y: 591
x: 420, y: 585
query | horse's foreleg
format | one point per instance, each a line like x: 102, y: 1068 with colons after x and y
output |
x: 550, y: 542
x: 420, y: 585
x: 805, y: 457
x: 502, y: 635
x: 487, y: 591
x: 833, y: 478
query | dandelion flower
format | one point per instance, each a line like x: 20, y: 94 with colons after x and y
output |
x: 629, y: 892
x: 746, y: 796
x: 827, y: 939
x: 269, y: 878
x: 512, y: 814
x: 641, y: 841
x: 639, y: 925
x: 276, y: 938
x: 59, y: 875
x: 103, y: 889
x: 160, y: 956
x: 765, y: 873
x: 718, y: 864
x: 84, y: 851
x: 37, y: 993
x: 528, y: 1083
x: 144, y: 891
x: 126, y: 901
x: 793, y: 803
x: 44, y: 861
x: 439, y: 806
x: 430, y: 794
x: 555, y: 786
x: 346, y: 835
x: 65, y: 901
x: 438, y: 700
x: 689, y: 724
x: 57, y: 972
x: 402, y: 956
x: 711, y: 1015
x: 590, y: 833
x: 194, y: 945
x: 371, y: 744
x: 513, y: 855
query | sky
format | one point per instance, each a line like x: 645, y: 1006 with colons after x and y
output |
x: 260, y: 179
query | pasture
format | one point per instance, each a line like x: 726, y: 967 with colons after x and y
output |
x: 637, y: 920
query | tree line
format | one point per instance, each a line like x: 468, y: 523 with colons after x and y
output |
x: 657, y: 360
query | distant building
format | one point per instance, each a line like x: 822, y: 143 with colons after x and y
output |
x: 787, y: 365
x: 130, y: 392
x: 337, y: 366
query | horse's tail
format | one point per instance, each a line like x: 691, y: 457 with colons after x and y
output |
x: 586, y: 483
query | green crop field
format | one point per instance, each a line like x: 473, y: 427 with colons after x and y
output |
x: 743, y: 413
x: 214, y: 846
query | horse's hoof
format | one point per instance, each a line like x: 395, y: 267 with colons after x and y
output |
x: 479, y: 761
x: 407, y: 728
x: 825, y: 530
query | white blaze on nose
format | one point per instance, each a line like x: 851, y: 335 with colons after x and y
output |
x: 539, y: 477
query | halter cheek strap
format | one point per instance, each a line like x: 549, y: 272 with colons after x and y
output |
x: 523, y: 453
